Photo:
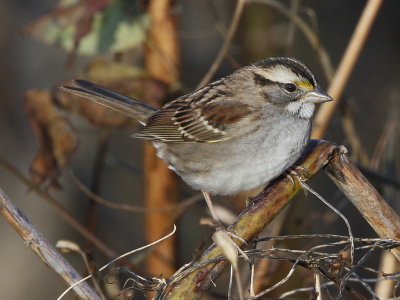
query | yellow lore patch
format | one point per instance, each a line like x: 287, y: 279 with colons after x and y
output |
x: 304, y: 84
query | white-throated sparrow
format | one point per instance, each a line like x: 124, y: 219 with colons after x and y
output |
x: 234, y: 134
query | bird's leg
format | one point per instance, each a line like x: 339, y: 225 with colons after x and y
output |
x: 219, y: 226
x: 211, y: 208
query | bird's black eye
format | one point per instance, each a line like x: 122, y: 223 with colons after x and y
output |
x: 290, y: 87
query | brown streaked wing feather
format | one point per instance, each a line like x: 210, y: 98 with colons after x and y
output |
x: 225, y: 112
x: 182, y: 122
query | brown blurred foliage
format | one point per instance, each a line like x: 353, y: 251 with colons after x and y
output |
x: 56, y: 138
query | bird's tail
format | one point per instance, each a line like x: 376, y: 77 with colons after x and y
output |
x: 129, y: 106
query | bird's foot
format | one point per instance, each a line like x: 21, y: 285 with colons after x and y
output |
x: 297, y: 173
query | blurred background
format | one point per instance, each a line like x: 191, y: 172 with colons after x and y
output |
x: 62, y: 144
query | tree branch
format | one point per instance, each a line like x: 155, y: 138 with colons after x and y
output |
x: 191, y: 281
x: 382, y: 218
x: 42, y: 248
x: 259, y: 213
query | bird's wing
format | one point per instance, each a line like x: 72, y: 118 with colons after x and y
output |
x: 129, y: 106
x: 183, y: 121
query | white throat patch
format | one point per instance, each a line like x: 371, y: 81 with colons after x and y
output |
x: 302, y: 109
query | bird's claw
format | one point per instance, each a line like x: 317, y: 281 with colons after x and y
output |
x: 297, y: 172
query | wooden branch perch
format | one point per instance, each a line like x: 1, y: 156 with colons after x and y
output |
x: 39, y: 244
x: 259, y: 213
x: 382, y: 218
x: 265, y: 206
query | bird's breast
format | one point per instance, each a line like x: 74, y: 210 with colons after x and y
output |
x: 239, y: 164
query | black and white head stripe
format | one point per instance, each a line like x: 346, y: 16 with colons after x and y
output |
x: 277, y: 70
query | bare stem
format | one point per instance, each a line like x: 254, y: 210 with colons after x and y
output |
x: 59, y: 208
x: 98, y: 168
x: 42, y: 248
x: 382, y: 218
x: 346, y: 66
x: 228, y: 40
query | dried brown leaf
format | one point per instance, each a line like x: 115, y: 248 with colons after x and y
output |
x: 224, y: 241
x: 67, y: 246
x: 57, y: 141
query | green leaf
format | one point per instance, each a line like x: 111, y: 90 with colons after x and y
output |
x: 120, y: 26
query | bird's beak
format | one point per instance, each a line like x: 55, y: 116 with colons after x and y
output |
x: 317, y: 96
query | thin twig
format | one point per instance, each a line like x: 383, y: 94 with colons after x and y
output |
x: 346, y: 66
x: 116, y: 259
x: 365, y: 285
x: 228, y: 39
x: 264, y: 268
x: 388, y: 132
x: 280, y: 282
x: 97, y: 172
x: 238, y: 283
x: 318, y: 287
x: 294, y: 7
x: 131, y: 208
x: 351, y: 238
x: 69, y: 246
x: 308, y: 33
x: 358, y: 150
x: 310, y: 259
x: 303, y: 290
x: 230, y: 283
x: 59, y: 208
x: 352, y: 271
x: 300, y: 260
x: 337, y: 282
x: 93, y: 274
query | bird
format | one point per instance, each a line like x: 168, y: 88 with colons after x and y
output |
x: 232, y: 135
